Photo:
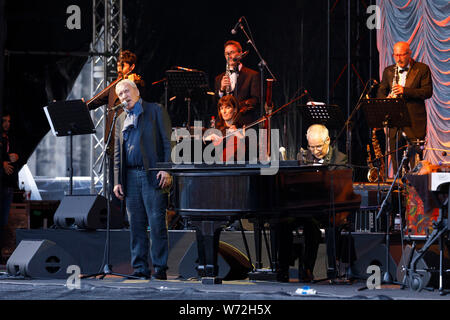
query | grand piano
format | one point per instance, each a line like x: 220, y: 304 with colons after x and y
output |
x: 210, y: 196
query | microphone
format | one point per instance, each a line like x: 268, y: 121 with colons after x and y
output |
x: 121, y: 105
x: 239, y: 57
x: 307, y: 94
x: 309, y: 97
x: 234, y: 30
x: 373, y: 85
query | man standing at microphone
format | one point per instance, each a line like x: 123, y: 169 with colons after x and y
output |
x: 142, y: 138
x: 410, y: 80
x: 242, y: 82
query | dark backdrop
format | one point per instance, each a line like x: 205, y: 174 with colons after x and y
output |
x: 41, y: 62
x: 291, y: 36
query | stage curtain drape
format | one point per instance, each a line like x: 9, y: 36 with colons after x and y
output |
x: 425, y: 25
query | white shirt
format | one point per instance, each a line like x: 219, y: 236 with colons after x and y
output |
x: 402, y: 76
x: 233, y: 80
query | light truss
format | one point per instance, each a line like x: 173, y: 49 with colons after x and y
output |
x: 107, y: 41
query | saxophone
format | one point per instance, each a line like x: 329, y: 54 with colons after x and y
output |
x: 374, y: 173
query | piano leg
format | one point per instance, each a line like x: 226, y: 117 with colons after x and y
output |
x: 330, y: 239
x: 257, y: 233
x: 208, y: 235
x: 260, y: 273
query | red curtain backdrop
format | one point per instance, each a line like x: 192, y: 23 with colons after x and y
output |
x: 425, y: 25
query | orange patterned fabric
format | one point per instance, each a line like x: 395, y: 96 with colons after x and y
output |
x: 418, y: 222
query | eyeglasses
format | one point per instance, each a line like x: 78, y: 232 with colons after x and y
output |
x: 319, y: 147
x: 399, y: 55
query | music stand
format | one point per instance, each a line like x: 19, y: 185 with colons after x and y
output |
x: 186, y: 83
x: 328, y: 115
x: 387, y: 113
x: 69, y: 118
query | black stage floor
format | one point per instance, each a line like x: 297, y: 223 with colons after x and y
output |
x: 176, y: 293
x: 190, y: 299
x: 119, y: 288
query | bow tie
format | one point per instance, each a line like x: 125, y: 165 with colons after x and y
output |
x: 233, y: 71
x: 403, y: 70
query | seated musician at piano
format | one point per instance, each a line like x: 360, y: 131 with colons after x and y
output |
x: 228, y: 124
x: 319, y: 151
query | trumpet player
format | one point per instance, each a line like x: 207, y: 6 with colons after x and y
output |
x: 242, y: 82
x: 410, y: 80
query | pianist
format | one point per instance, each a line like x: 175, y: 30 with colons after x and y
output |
x: 319, y: 151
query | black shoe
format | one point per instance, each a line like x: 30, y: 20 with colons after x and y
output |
x: 139, y: 275
x: 159, y: 275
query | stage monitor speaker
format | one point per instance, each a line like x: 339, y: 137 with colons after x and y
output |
x: 423, y: 277
x: 86, y: 212
x: 39, y: 259
x: 232, y: 263
x: 376, y: 256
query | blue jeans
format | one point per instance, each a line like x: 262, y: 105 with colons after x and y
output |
x: 146, y: 206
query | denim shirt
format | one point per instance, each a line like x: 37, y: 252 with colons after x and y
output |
x: 131, y: 136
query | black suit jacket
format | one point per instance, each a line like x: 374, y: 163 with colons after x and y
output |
x: 418, y: 87
x: 154, y: 129
x: 334, y: 158
x: 248, y: 93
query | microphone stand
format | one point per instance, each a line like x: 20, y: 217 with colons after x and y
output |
x: 262, y: 65
x: 107, y: 267
x: 166, y: 85
x: 387, y: 278
x: 348, y: 126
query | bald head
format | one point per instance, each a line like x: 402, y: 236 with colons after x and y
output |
x: 402, y: 53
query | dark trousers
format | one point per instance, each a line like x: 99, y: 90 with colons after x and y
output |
x: 312, y: 237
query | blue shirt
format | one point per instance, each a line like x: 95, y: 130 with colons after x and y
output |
x: 131, y: 135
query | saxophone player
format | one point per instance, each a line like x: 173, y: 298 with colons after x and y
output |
x: 242, y: 82
x: 414, y: 85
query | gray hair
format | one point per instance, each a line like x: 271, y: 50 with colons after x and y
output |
x: 123, y: 82
x: 317, y: 130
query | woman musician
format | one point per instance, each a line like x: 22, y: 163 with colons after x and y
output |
x: 228, y: 124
